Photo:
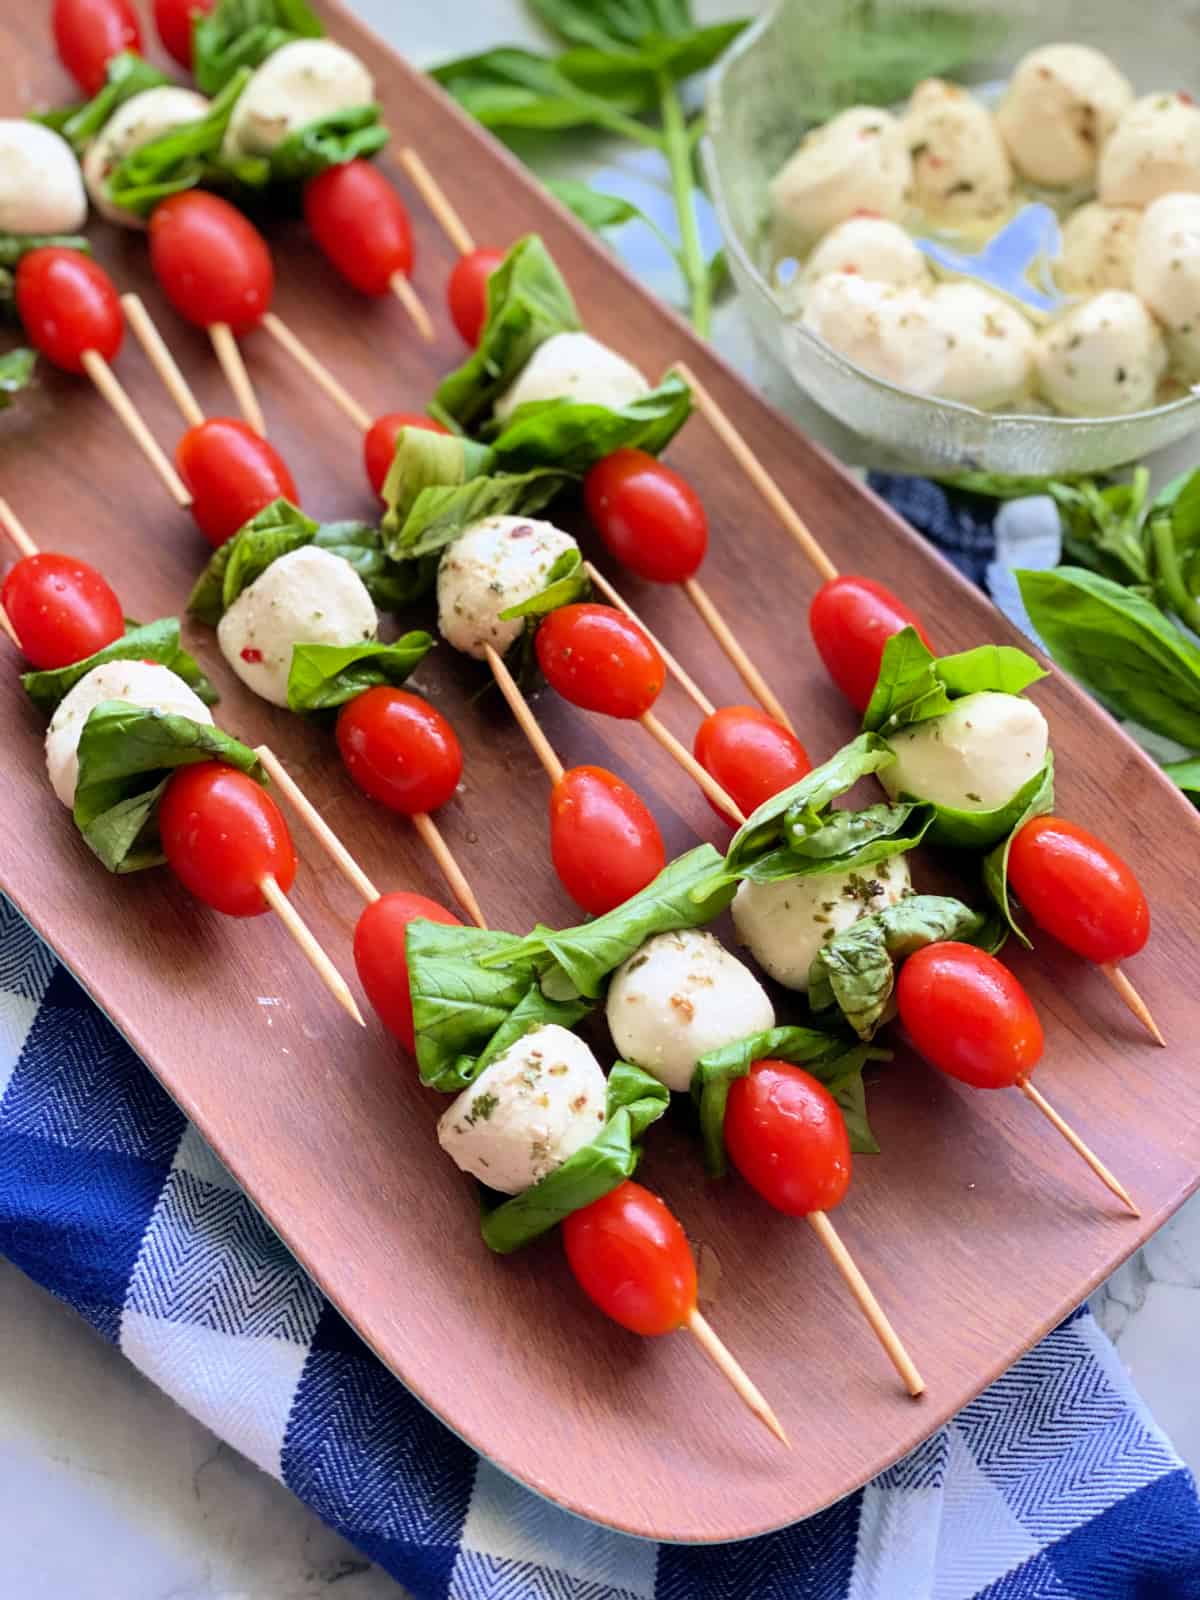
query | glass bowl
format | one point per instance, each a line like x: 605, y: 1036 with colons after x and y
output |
x: 808, y: 59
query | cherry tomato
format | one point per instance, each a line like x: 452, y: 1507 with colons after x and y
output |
x: 231, y: 474
x: 381, y: 959
x: 400, y: 750
x: 213, y: 264
x: 68, y: 304
x: 467, y: 291
x: 604, y: 842
x: 968, y: 1016
x: 89, y: 33
x: 1079, y: 890
x: 650, y: 518
x: 632, y: 1259
x: 598, y: 658
x: 750, y: 755
x: 62, y: 609
x: 379, y: 442
x: 173, y: 20
x: 222, y: 834
x: 361, y: 224
x: 787, y: 1137
x: 851, y: 620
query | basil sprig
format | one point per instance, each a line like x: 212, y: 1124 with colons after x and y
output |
x: 995, y: 866
x: 325, y: 676
x: 914, y: 685
x: 16, y: 373
x: 149, y: 641
x: 243, y: 33
x: 572, y: 435
x: 126, y: 75
x: 185, y: 157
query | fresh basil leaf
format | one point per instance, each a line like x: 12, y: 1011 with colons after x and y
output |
x: 1180, y: 500
x: 150, y: 641
x: 126, y: 756
x: 424, y: 460
x: 1186, y: 774
x: 182, y: 158
x: 324, y: 676
x: 392, y: 585
x: 353, y: 134
x: 572, y: 435
x: 1000, y: 486
x: 980, y: 830
x: 511, y: 88
x: 533, y: 1010
x: 15, y: 245
x: 528, y: 302
x: 719, y: 275
x: 1102, y: 527
x: 995, y: 864
x: 277, y: 530
x: 439, y: 516
x: 127, y: 74
x: 635, y: 1101
x: 596, y: 210
x: 847, y: 841
x: 915, y: 686
x: 16, y: 373
x: 243, y: 33
x: 1120, y: 646
x: 566, y: 582
x: 650, y: 36
x: 988, y: 668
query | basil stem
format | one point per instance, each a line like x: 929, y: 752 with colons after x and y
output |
x: 677, y: 145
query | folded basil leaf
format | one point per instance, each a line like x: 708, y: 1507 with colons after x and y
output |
x: 353, y: 134
x: 149, y: 641
x: 598, y: 211
x: 439, y: 516
x: 534, y: 1010
x: 528, y: 302
x: 566, y: 582
x: 243, y: 33
x: 184, y: 158
x: 995, y: 864
x: 126, y: 74
x: 980, y: 830
x: 513, y: 88
x: 635, y: 1100
x: 277, y: 530
x: 914, y: 685
x: 392, y: 585
x: 126, y: 757
x: 573, y: 435
x: 424, y: 459
x: 16, y: 373
x: 324, y: 676
x: 845, y: 842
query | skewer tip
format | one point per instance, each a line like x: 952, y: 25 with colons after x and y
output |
x: 1133, y: 1000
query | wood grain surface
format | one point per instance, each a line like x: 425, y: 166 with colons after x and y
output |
x: 976, y: 1226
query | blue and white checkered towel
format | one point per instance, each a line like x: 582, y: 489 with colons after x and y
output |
x: 1054, y: 1485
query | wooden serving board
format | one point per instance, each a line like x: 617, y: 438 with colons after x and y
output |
x: 977, y: 1227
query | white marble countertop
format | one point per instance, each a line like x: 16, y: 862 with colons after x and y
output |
x: 110, y: 1492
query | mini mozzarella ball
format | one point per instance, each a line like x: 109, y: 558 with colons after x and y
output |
x: 299, y: 84
x: 139, y: 683
x: 1104, y: 359
x: 41, y: 186
x: 1155, y: 150
x: 1098, y: 245
x: 1183, y: 354
x: 990, y: 359
x: 976, y: 757
x: 147, y: 116
x: 574, y: 366
x: 784, y: 925
x: 1063, y: 102
x: 537, y: 1104
x: 1166, y: 265
x: 309, y: 596
x: 875, y: 249
x: 680, y: 996
x: 498, y: 563
x: 890, y: 332
x: 857, y: 162
x: 960, y: 167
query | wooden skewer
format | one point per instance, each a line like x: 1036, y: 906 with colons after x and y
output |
x: 159, y: 355
x: 316, y: 823
x: 7, y: 627
x: 867, y: 1303
x: 434, y: 196
x: 732, y: 646
x: 697, y: 696
x: 407, y: 296
x: 16, y: 530
x: 731, y: 1369
x: 229, y: 355
x: 530, y: 727
x: 109, y: 385
x: 758, y: 474
x: 451, y: 871
x: 309, y: 948
x: 317, y: 371
x: 1077, y: 1144
x: 690, y: 765
x: 1132, y: 999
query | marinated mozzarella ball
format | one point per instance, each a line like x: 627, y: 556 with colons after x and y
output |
x: 890, y: 332
x: 309, y: 596
x: 784, y: 925
x: 1063, y: 102
x: 976, y: 757
x: 139, y: 683
x: 139, y: 121
x: 496, y: 564
x: 872, y: 247
x: 574, y: 366
x: 1104, y: 359
x: 41, y: 187
x: 1166, y: 265
x: 857, y: 162
x: 297, y: 85
x: 959, y: 164
x: 991, y: 346
x: 678, y: 997
x: 1155, y: 150
x: 538, y: 1103
x: 1097, y: 249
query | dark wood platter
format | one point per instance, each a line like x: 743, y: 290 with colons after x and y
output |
x: 976, y: 1226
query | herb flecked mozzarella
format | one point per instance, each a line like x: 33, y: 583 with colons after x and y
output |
x: 41, y: 187
x: 537, y: 1104
x: 784, y: 925
x: 498, y: 563
x: 678, y: 997
x: 990, y: 347
x: 138, y: 683
x: 574, y: 366
x: 1104, y: 359
x: 309, y: 596
x: 299, y: 84
x: 145, y: 117
x: 1154, y: 150
x: 960, y: 167
x: 1098, y: 244
x: 875, y: 249
x: 889, y: 332
x: 1063, y: 102
x: 976, y: 757
x: 857, y: 162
